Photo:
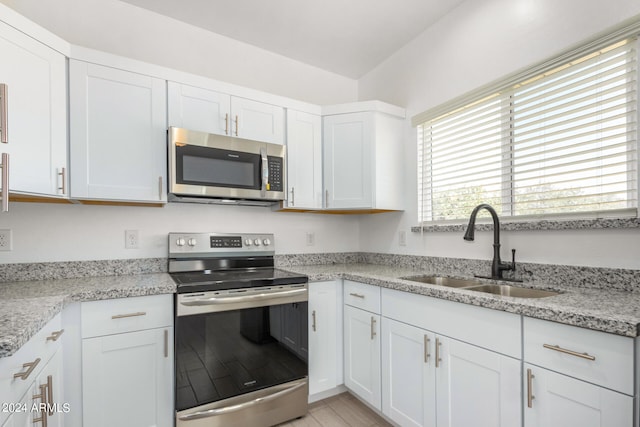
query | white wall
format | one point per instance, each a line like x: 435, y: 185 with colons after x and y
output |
x: 52, y: 232
x: 479, y: 42
x: 123, y: 29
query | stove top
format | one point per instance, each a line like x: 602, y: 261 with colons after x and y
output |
x: 208, y: 280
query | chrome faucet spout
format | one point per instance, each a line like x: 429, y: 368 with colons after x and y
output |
x: 497, y: 266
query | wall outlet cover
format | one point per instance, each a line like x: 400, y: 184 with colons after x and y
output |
x: 131, y: 239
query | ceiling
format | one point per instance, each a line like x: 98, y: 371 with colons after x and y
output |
x: 347, y: 37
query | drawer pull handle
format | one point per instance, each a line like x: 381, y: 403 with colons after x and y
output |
x: 313, y: 323
x: 353, y: 294
x: 31, y: 366
x: 571, y: 352
x: 530, y: 395
x: 438, y: 359
x: 426, y: 349
x: 122, y: 316
x: 373, y: 327
x: 55, y: 335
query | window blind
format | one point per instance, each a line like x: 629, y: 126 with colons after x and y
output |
x: 561, y: 142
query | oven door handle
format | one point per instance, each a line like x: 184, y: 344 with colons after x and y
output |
x: 244, y: 298
x: 241, y: 406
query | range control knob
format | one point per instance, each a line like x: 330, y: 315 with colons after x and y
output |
x: 266, y: 242
x: 180, y: 242
x: 256, y: 242
x: 192, y: 242
x: 248, y: 242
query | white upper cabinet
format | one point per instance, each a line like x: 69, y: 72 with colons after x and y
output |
x: 36, y: 109
x: 118, y: 134
x: 304, y: 160
x: 363, y: 158
x: 215, y: 112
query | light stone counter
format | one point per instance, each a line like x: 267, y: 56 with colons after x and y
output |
x: 25, y: 307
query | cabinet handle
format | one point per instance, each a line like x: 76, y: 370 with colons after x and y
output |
x: 166, y: 343
x: 426, y: 349
x: 63, y: 187
x: 237, y: 120
x: 50, y: 395
x: 55, y: 335
x: 326, y: 196
x: 571, y: 352
x: 4, y: 195
x: 159, y: 188
x: 4, y: 108
x: 30, y: 367
x: 43, y: 399
x: 313, y: 321
x: 293, y: 197
x: 122, y: 316
x: 530, y: 395
x: 438, y: 360
x: 353, y: 294
x: 373, y: 327
x: 226, y: 124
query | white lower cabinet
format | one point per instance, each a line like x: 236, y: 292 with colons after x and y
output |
x: 432, y: 380
x: 127, y: 362
x: 325, y: 336
x: 362, y: 354
x: 556, y: 400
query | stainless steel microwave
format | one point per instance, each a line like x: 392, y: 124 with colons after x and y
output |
x: 209, y: 168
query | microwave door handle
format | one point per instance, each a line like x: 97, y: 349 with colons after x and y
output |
x: 265, y: 172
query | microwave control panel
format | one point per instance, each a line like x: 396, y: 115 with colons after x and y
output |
x: 276, y: 174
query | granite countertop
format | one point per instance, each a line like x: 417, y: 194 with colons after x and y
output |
x: 28, y: 305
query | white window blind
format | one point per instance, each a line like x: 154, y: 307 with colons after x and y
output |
x: 559, y: 143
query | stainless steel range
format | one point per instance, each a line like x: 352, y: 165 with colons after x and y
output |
x: 241, y: 332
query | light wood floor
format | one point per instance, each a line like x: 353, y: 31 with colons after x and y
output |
x: 342, y: 410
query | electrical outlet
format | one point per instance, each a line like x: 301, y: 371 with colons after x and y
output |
x: 131, y: 239
x: 402, y: 238
x: 311, y: 239
x: 5, y: 240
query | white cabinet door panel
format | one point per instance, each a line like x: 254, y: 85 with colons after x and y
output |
x: 304, y: 160
x: 325, y: 336
x: 476, y: 387
x: 199, y: 109
x: 257, y: 121
x: 118, y: 134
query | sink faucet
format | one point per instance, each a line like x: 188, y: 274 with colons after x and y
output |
x: 497, y: 266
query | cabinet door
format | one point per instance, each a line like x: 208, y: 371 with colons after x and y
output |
x: 325, y: 336
x: 199, y: 109
x: 362, y: 354
x: 560, y: 401
x: 347, y: 161
x: 304, y: 160
x: 127, y: 379
x: 35, y: 76
x: 408, y: 374
x: 118, y: 134
x: 257, y: 121
x: 21, y: 414
x: 476, y: 387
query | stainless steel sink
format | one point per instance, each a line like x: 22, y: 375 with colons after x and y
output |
x: 477, y: 286
x: 444, y: 281
x: 512, y: 291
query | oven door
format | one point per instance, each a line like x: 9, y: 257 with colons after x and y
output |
x: 208, y: 165
x: 237, y: 362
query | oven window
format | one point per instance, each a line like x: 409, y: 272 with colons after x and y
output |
x: 225, y: 354
x: 215, y: 167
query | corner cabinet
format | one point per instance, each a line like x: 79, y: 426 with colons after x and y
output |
x: 207, y: 110
x: 118, y: 140
x: 127, y: 362
x: 304, y: 160
x: 34, y: 79
x: 363, y: 155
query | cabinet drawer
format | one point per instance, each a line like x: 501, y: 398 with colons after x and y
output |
x: 117, y: 316
x: 41, y: 346
x: 361, y: 295
x: 597, y: 357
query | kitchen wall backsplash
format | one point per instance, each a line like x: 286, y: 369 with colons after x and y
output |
x: 550, y: 275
